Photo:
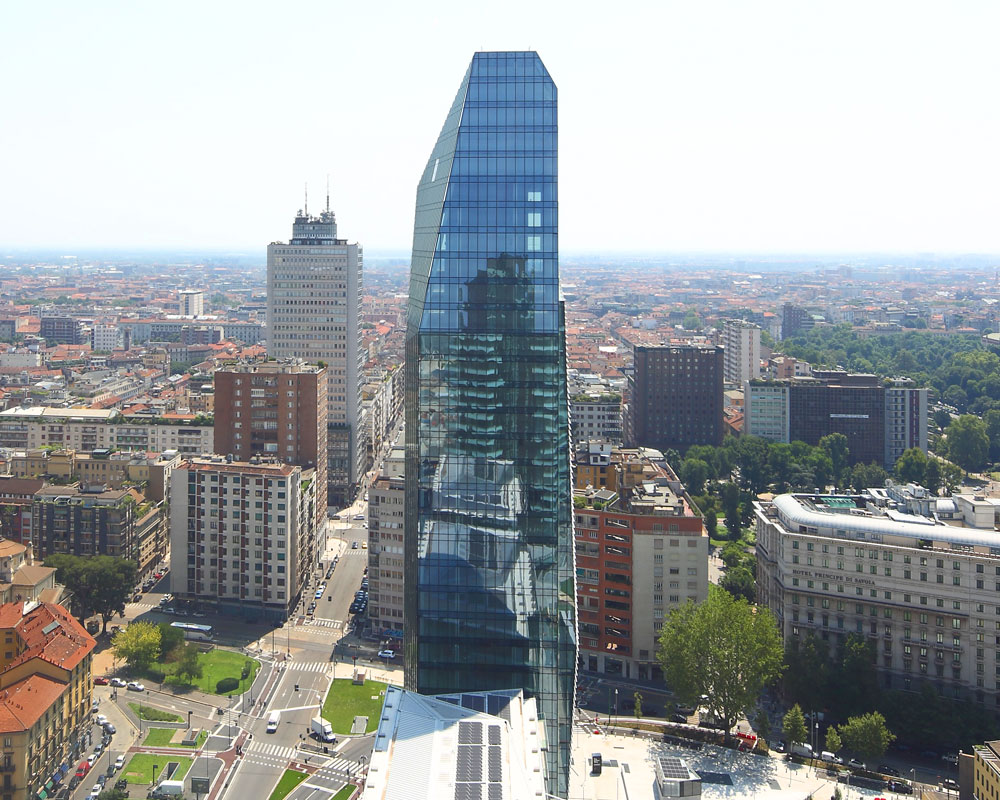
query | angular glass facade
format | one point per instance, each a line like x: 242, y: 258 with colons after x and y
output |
x: 490, y: 600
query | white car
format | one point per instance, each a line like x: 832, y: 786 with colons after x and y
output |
x: 119, y: 682
x: 386, y: 653
x: 92, y: 758
x: 96, y: 790
x: 101, y: 719
x: 119, y: 762
x: 359, y: 516
x: 135, y: 686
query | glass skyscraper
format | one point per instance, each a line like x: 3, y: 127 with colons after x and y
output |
x: 490, y: 600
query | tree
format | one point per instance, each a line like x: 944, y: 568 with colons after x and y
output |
x: 856, y: 682
x: 864, y: 476
x: 99, y: 584
x: 711, y: 522
x: 694, y: 473
x: 807, y: 676
x: 867, y: 735
x: 968, y: 442
x: 170, y: 639
x: 912, y: 466
x: 932, y: 476
x: 138, y: 645
x: 113, y: 794
x: 723, y: 648
x: 951, y: 475
x: 833, y: 742
x: 730, y: 495
x: 637, y: 710
x: 188, y: 665
x: 752, y: 461
x: 992, y: 420
x: 835, y: 446
x: 942, y: 418
x: 762, y: 724
x: 740, y: 582
x: 794, y: 726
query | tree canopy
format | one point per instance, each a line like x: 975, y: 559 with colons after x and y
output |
x: 867, y: 735
x: 99, y: 584
x: 138, y: 645
x: 794, y: 726
x: 723, y: 648
x: 968, y: 442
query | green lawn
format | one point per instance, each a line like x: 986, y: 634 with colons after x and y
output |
x: 153, y: 714
x: 215, y: 666
x: 345, y: 701
x: 139, y: 769
x: 160, y: 737
x: 345, y: 793
x: 289, y: 781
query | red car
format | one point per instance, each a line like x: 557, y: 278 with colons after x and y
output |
x: 100, y: 681
x: 83, y: 769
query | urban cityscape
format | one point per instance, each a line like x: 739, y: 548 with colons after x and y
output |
x: 497, y: 514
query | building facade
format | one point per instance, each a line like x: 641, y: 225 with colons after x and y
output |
x: 314, y: 313
x: 191, y: 302
x: 674, y: 397
x: 62, y: 330
x: 641, y: 551
x: 794, y: 320
x: 46, y: 687
x: 741, y: 340
x: 386, y: 511
x: 596, y: 417
x: 490, y: 600
x: 879, y: 420
x: 274, y: 408
x: 242, y: 535
x: 922, y: 593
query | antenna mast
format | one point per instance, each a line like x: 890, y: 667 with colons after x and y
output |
x: 307, y: 198
x: 328, y: 193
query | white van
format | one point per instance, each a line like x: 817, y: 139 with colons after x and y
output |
x: 826, y: 755
x: 804, y: 750
x: 272, y: 721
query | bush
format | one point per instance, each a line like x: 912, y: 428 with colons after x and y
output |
x: 156, y: 675
x: 245, y: 673
x: 226, y: 685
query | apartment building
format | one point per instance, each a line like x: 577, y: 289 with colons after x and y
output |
x: 386, y: 504
x: 63, y: 330
x: 596, y: 415
x: 191, y: 302
x: 243, y: 534
x: 93, y: 521
x: 674, y: 396
x: 16, y: 496
x: 880, y: 420
x: 45, y: 698
x: 986, y: 770
x: 641, y: 550
x: 924, y: 593
x: 89, y: 429
x: 277, y: 409
x: 741, y: 340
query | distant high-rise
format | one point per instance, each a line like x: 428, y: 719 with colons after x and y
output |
x: 314, y: 313
x: 490, y: 599
x: 674, y: 396
x: 742, y: 358
x: 794, y: 320
x: 191, y: 302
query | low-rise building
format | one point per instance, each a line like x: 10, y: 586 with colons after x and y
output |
x: 641, y: 551
x: 45, y: 698
x: 243, y: 534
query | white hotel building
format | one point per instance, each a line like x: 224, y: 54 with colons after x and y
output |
x: 926, y: 594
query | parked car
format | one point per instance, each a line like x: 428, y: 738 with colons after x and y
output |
x: 100, y: 681
x: 855, y: 764
x: 387, y: 654
x: 359, y: 516
x: 950, y: 783
x: 900, y: 787
x: 110, y: 729
x: 119, y: 762
x: 121, y: 785
x: 137, y: 597
x: 354, y: 545
x: 119, y: 682
x: 83, y: 769
x: 885, y: 769
x: 101, y: 719
x: 102, y: 779
x: 678, y: 718
x: 135, y: 686
x: 90, y: 761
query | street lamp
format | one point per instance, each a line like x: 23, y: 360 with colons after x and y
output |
x: 189, y: 720
x: 616, y: 706
x: 154, y: 772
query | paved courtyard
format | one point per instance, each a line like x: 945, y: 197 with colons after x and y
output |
x: 628, y: 772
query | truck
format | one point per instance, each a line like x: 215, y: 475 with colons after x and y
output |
x: 322, y: 730
x: 169, y: 789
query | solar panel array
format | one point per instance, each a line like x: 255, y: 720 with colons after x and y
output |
x: 471, y: 753
x: 673, y: 767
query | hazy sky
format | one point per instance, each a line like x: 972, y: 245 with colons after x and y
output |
x: 698, y: 125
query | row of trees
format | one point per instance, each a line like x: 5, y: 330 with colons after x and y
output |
x: 143, y: 643
x: 866, y: 734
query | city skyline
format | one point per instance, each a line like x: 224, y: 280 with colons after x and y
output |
x: 767, y: 128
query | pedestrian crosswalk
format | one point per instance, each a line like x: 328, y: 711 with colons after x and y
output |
x: 336, y: 768
x: 325, y: 623
x: 144, y: 606
x: 267, y: 749
x: 310, y: 666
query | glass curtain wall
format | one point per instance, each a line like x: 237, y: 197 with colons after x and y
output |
x: 489, y: 565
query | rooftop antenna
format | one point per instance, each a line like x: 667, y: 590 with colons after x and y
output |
x: 328, y: 193
x: 307, y: 198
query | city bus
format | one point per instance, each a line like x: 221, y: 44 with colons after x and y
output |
x: 200, y: 633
